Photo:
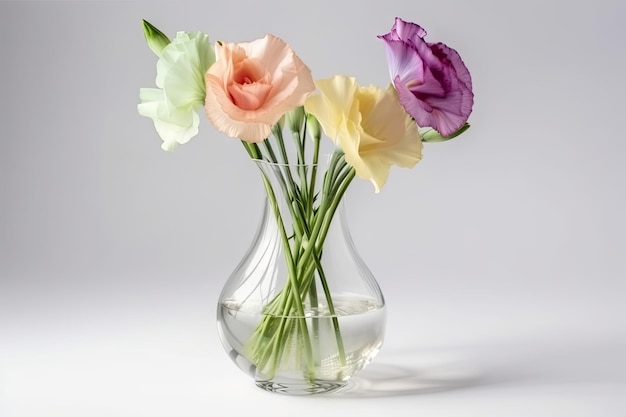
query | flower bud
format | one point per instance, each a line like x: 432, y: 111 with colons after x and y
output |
x: 294, y: 119
x: 155, y: 38
x: 313, y: 125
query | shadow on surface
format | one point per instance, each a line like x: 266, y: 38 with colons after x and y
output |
x: 385, y: 380
x: 425, y: 371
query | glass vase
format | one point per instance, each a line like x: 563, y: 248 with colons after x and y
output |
x: 302, y: 313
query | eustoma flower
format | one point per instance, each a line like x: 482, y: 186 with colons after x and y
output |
x: 368, y: 124
x: 180, y: 80
x: 252, y: 85
x: 433, y: 83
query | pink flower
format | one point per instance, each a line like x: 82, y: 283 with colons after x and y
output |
x: 434, y: 85
x: 252, y: 85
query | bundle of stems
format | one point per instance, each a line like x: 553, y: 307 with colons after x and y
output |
x: 289, y: 318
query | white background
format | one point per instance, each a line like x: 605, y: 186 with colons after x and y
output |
x: 500, y: 254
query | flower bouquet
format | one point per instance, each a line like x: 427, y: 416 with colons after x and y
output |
x: 302, y: 313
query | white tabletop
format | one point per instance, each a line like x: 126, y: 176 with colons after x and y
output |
x: 500, y: 255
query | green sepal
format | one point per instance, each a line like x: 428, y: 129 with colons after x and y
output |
x: 431, y: 135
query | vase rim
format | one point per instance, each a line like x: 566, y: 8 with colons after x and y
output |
x: 323, y: 158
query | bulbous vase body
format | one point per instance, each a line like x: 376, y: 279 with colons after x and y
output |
x: 301, y: 313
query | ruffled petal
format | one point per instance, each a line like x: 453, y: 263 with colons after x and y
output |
x: 248, y: 108
x: 368, y: 124
x: 434, y: 85
x: 174, y: 126
x: 180, y: 76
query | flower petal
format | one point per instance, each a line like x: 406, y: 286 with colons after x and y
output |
x: 368, y: 124
x: 252, y: 85
x: 180, y: 76
x: 434, y: 85
x: 174, y: 126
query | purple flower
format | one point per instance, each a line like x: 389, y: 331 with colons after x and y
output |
x: 433, y: 84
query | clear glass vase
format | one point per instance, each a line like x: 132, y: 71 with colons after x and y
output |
x: 302, y: 313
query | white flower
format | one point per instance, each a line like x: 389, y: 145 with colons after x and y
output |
x: 181, y: 88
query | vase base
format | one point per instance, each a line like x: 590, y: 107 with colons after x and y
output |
x: 301, y: 388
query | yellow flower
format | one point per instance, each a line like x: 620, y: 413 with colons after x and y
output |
x: 368, y: 124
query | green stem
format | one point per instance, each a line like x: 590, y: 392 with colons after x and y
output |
x: 333, y: 314
x: 315, y: 161
x: 291, y: 269
x: 278, y: 134
x: 284, y: 315
x: 287, y: 296
x: 270, y: 151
